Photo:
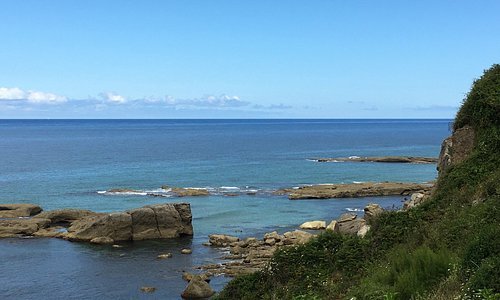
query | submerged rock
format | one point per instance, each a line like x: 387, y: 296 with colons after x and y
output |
x: 186, y: 251
x: 148, y: 289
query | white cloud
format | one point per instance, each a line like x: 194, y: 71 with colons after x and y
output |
x: 211, y: 101
x: 113, y: 98
x: 12, y: 94
x: 17, y: 94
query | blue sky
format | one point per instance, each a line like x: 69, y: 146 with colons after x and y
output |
x: 242, y: 59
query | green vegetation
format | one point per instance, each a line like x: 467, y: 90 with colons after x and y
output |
x: 446, y: 248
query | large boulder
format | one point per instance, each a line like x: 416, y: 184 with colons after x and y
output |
x: 18, y: 210
x: 371, y: 211
x: 197, y: 288
x: 333, y: 226
x: 313, y: 225
x: 150, y: 222
x: 350, y: 224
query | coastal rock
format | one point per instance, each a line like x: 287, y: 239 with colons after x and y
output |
x: 197, y: 288
x: 333, y: 226
x: 222, y: 240
x: 415, y: 200
x: 117, y: 226
x: 16, y: 227
x: 186, y: 251
x: 371, y: 211
x: 273, y: 235
x: 351, y: 226
x: 352, y: 190
x: 18, y: 210
x: 363, y: 230
x: 66, y: 216
x: 313, y: 225
x: 456, y: 148
x: 190, y: 192
x: 150, y: 222
x: 297, y: 237
x: 347, y: 217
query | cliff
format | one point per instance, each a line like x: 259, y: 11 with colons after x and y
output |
x: 448, y: 247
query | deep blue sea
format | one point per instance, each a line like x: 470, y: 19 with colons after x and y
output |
x: 66, y: 163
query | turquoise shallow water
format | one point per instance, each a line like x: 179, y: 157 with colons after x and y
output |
x: 64, y: 163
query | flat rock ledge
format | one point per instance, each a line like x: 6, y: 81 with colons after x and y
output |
x: 159, y: 221
x: 354, y: 190
x: 381, y: 159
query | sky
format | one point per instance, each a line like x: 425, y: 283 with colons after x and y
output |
x: 242, y: 59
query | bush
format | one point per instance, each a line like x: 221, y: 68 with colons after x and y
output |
x: 406, y: 274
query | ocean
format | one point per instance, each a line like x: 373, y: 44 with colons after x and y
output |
x: 69, y: 163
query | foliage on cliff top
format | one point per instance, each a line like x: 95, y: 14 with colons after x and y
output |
x: 481, y: 107
x: 446, y: 248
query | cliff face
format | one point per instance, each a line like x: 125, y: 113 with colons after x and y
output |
x: 456, y: 148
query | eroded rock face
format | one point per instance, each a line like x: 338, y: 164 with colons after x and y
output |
x: 456, y: 148
x: 150, y: 222
x: 18, y: 210
x: 16, y: 227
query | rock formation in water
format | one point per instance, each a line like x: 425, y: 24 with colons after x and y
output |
x: 159, y: 221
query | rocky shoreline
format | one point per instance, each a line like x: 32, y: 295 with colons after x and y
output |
x: 381, y: 159
x: 353, y: 190
x: 245, y: 256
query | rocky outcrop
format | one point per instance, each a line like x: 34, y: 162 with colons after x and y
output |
x: 197, y: 288
x: 382, y: 159
x: 190, y: 192
x: 353, y: 190
x: 17, y: 227
x: 350, y: 223
x: 313, y: 225
x: 18, y: 210
x: 252, y: 254
x: 456, y: 148
x: 372, y: 211
x: 149, y: 222
x: 222, y: 240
